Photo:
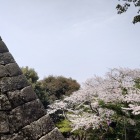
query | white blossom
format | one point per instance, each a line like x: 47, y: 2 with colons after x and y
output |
x: 117, y: 87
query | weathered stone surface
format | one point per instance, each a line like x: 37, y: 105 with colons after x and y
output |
x: 3, y: 71
x: 25, y: 114
x: 19, y: 97
x: 13, y: 69
x: 6, y: 58
x: 4, y: 103
x: 13, y: 83
x: 4, y: 124
x: 38, y: 128
x: 15, y: 136
x: 3, y: 47
x: 53, y: 135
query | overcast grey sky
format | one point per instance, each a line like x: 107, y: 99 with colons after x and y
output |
x: 73, y: 38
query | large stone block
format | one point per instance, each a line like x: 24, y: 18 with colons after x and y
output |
x: 3, y: 71
x: 25, y: 114
x: 6, y: 58
x: 15, y: 136
x: 13, y: 69
x: 13, y: 83
x: 4, y: 124
x: 4, y: 103
x: 37, y: 129
x: 3, y: 47
x: 19, y: 97
x: 53, y: 135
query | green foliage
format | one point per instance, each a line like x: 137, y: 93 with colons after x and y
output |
x: 42, y: 94
x: 58, y: 86
x: 30, y: 74
x: 115, y: 107
x: 32, y: 78
x: 124, y: 91
x: 64, y: 126
x: 50, y: 88
x: 137, y: 83
x: 101, y: 103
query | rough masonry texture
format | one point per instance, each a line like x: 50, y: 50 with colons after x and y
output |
x: 22, y: 115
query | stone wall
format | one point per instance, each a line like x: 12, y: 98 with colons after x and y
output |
x: 22, y: 115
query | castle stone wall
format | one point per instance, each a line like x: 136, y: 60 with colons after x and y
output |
x: 22, y: 115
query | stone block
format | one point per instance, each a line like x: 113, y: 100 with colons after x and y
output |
x: 19, y: 97
x: 15, y: 136
x: 6, y: 58
x: 13, y: 83
x: 4, y: 124
x: 3, y: 71
x: 23, y: 115
x: 3, y: 47
x: 38, y: 128
x: 13, y: 69
x: 4, y: 103
x: 53, y: 135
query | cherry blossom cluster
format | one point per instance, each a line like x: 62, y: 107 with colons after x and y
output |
x: 84, y: 109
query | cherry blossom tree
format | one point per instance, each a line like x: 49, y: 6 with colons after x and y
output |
x: 102, y: 102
